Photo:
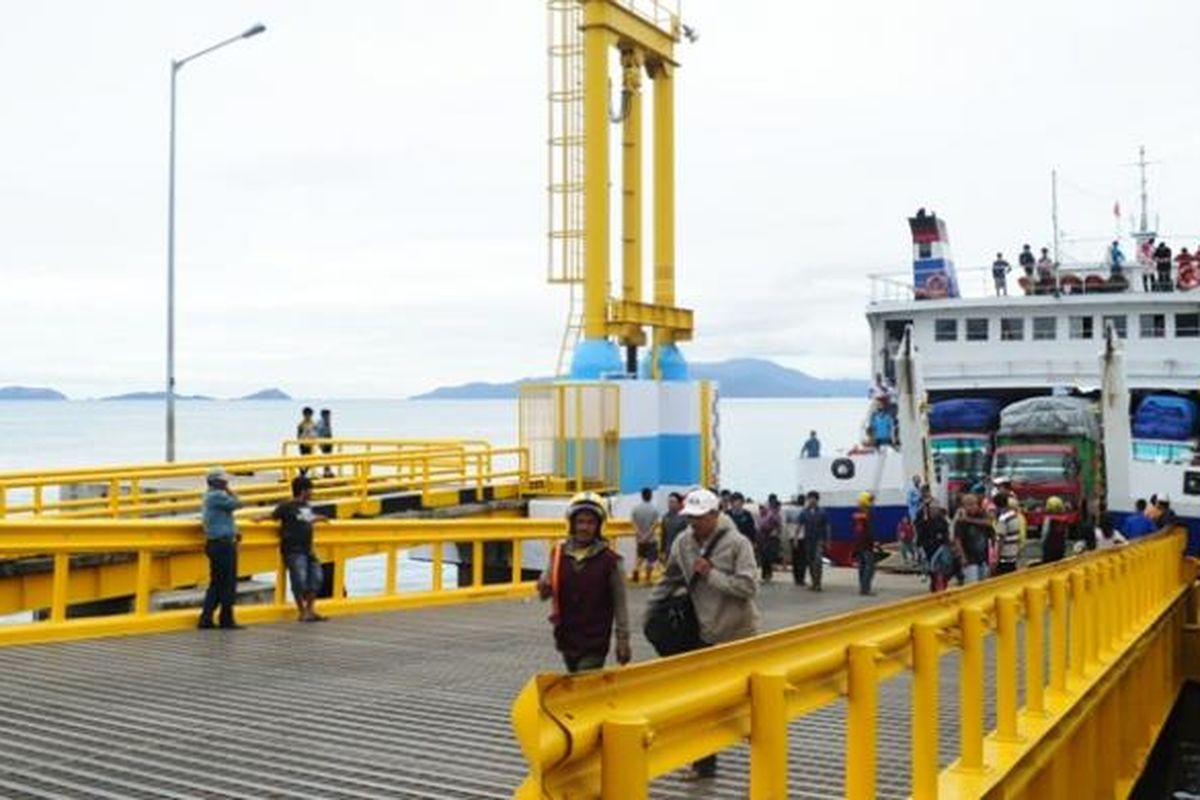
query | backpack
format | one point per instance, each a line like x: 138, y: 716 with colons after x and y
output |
x: 671, y: 625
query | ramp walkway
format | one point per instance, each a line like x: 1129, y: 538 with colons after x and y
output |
x: 412, y: 705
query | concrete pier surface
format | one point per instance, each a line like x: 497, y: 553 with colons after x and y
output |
x: 411, y: 704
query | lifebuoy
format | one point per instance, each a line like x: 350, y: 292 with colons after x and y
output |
x: 842, y: 469
x: 1189, y: 276
x: 936, y: 285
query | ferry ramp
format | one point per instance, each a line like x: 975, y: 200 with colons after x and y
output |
x: 413, y: 705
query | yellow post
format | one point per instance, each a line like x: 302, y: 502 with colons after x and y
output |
x: 3, y: 502
x: 114, y: 497
x: 706, y: 466
x: 141, y: 598
x: 389, y: 577
x: 436, y: 577
x: 1058, y: 634
x: 477, y: 563
x: 281, y: 583
x: 339, y: 574
x: 1092, y: 581
x: 925, y: 712
x: 631, y: 180
x: 579, y: 438
x: 624, y: 764
x: 516, y: 559
x: 860, y: 721
x: 1079, y: 623
x: 1035, y: 632
x: 59, y: 587
x: 971, y: 689
x: 664, y: 185
x: 37, y: 499
x: 1006, y: 668
x: 596, y: 41
x: 768, y: 736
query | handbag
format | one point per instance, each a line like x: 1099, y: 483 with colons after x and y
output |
x: 671, y: 625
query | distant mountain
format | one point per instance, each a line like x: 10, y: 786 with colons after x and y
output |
x: 267, y: 394
x: 30, y: 393
x: 155, y: 396
x: 739, y: 377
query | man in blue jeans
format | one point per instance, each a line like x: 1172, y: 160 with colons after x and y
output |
x: 220, y: 534
x: 296, y: 520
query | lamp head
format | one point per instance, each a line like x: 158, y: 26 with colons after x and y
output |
x: 255, y: 30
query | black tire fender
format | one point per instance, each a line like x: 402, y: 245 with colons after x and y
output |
x: 842, y: 469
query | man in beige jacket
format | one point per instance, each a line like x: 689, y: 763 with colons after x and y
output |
x: 722, y: 585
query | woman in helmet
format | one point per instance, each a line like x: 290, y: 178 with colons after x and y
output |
x: 585, y: 582
x: 1055, y: 528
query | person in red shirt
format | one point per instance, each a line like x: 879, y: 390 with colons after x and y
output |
x: 862, y: 525
x: 906, y: 536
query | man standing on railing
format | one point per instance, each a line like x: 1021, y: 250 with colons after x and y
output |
x: 585, y: 582
x: 220, y: 546
x: 716, y: 567
x: 306, y: 430
x: 296, y: 520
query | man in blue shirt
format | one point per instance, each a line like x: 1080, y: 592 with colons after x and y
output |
x: 1137, y: 524
x: 220, y: 534
x: 812, y: 447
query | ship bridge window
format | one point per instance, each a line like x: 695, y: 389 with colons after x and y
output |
x: 1152, y: 326
x: 945, y: 330
x: 977, y: 329
x: 1012, y: 329
x: 1187, y: 326
x: 1045, y: 328
x: 1081, y: 327
x: 1120, y: 324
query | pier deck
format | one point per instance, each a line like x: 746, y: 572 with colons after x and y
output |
x: 412, y: 704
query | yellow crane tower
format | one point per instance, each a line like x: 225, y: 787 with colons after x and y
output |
x: 582, y: 35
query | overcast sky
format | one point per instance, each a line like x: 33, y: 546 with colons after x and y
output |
x: 361, y: 190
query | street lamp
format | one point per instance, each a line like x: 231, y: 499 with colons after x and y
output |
x: 176, y: 65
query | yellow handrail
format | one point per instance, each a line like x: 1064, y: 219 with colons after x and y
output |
x: 358, y: 475
x: 155, y: 542
x: 608, y: 733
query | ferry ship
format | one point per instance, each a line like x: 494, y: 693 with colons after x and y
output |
x: 1099, y: 339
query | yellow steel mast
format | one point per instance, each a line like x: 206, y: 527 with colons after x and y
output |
x: 582, y: 35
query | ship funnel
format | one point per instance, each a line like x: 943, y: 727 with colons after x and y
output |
x: 933, y: 268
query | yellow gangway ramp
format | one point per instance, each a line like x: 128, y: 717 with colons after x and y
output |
x: 1109, y: 639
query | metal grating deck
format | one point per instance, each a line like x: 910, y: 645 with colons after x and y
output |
x: 410, y: 704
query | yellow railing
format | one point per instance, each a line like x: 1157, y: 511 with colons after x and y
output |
x: 1110, y: 623
x: 342, y: 445
x: 170, y: 553
x: 438, y: 471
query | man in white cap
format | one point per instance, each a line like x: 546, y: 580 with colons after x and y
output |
x: 220, y: 534
x: 717, y: 567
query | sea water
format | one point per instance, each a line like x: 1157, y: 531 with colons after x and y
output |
x: 759, y: 439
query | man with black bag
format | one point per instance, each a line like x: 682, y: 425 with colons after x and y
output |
x: 706, y: 595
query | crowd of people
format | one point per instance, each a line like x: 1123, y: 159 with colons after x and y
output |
x: 1161, y: 270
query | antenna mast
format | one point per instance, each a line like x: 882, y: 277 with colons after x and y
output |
x: 1142, y: 168
x: 1054, y: 208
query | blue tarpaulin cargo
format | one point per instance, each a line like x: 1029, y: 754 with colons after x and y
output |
x: 1165, y: 416
x: 980, y: 414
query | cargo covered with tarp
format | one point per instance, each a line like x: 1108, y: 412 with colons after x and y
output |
x: 975, y: 414
x: 1165, y: 416
x: 1043, y: 417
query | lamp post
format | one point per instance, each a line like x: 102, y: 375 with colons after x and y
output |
x: 176, y: 65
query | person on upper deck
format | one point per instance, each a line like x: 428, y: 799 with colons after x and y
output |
x: 586, y: 584
x: 1116, y: 260
x: 1000, y: 270
x: 1182, y: 261
x: 1026, y: 260
x: 812, y: 446
x: 1162, y: 267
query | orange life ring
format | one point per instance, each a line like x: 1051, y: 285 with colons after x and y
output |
x: 1189, y: 276
x: 936, y: 285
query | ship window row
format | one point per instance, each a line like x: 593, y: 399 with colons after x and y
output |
x: 1081, y: 326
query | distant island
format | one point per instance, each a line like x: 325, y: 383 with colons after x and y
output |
x: 30, y: 393
x: 738, y: 377
x: 42, y: 393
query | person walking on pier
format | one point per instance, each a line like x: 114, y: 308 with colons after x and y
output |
x: 585, y: 582
x: 221, y: 537
x: 862, y: 523
x: 1055, y: 529
x: 770, y: 526
x: 645, y: 525
x: 972, y: 529
x: 716, y: 567
x: 812, y: 537
x: 673, y: 523
x: 296, y: 519
x: 741, y: 517
x: 1008, y: 533
x: 324, y: 430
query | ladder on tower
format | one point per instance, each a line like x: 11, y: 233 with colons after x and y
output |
x: 565, y: 231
